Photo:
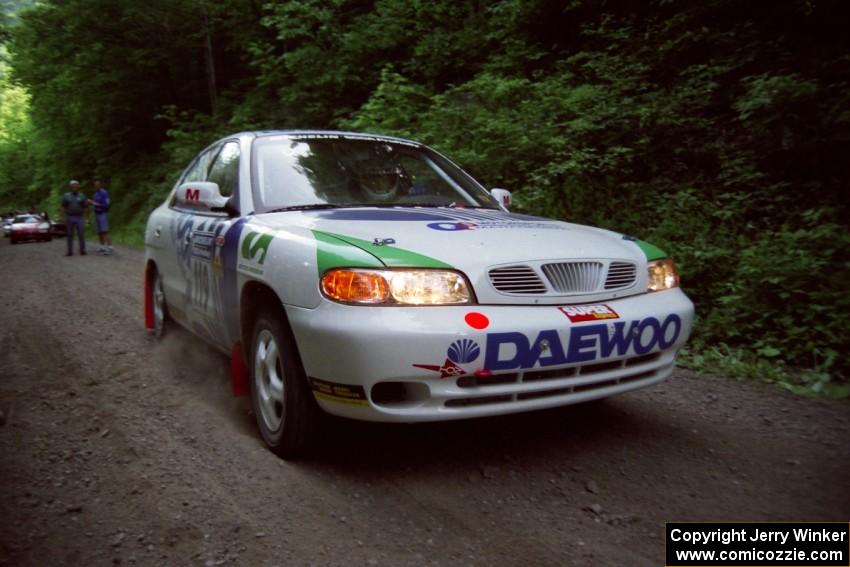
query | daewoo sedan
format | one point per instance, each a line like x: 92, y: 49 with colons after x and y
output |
x: 369, y: 277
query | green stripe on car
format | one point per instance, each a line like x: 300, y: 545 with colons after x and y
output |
x: 332, y: 252
x: 651, y: 251
x: 391, y: 256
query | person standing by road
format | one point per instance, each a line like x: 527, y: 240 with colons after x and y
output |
x: 100, y: 201
x: 74, y: 206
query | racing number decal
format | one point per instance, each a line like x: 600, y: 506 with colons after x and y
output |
x: 199, y: 293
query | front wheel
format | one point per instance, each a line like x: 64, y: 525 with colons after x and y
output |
x: 287, y: 415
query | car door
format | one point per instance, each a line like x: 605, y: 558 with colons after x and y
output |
x: 208, y: 247
x: 176, y: 225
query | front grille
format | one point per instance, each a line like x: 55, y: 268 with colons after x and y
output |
x: 564, y: 278
x: 521, y: 280
x: 565, y: 390
x: 621, y: 275
x: 471, y: 381
x: 574, y: 277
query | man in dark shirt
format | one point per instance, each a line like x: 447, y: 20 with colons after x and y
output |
x: 74, y: 206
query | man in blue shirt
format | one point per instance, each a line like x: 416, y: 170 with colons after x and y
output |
x: 74, y: 206
x: 100, y: 201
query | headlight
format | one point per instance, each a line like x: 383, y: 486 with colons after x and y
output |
x: 662, y: 275
x: 395, y: 287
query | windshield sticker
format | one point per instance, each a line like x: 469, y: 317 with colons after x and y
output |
x: 444, y: 218
x: 581, y: 313
x: 466, y: 225
x: 358, y: 138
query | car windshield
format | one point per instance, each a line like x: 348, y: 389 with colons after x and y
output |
x: 337, y: 170
x: 26, y: 218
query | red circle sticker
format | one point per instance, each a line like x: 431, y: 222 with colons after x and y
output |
x: 477, y: 320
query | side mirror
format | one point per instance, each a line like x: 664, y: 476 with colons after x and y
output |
x: 503, y: 196
x: 200, y: 195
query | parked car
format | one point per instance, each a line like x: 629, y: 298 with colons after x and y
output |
x: 58, y: 228
x: 369, y: 277
x: 30, y: 227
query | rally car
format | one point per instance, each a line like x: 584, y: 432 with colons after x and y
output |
x: 29, y: 227
x: 369, y: 277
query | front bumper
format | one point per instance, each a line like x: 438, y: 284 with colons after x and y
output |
x: 30, y: 234
x: 410, y: 364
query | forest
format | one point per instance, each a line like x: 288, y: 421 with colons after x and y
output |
x: 719, y: 130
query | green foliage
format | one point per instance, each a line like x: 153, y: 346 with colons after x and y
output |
x: 717, y: 130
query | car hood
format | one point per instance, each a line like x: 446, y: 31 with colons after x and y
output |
x: 474, y: 241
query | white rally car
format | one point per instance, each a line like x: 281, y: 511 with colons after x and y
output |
x: 372, y: 278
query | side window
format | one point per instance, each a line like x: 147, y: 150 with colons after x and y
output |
x: 196, y: 172
x: 225, y: 169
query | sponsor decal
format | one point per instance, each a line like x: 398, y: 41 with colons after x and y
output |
x: 586, y: 343
x: 464, y: 351
x: 193, y: 194
x: 447, y: 370
x: 577, y: 345
x: 581, y: 313
x: 217, y: 266
x: 340, y: 393
x: 254, y: 248
x: 202, y: 245
x: 452, y: 226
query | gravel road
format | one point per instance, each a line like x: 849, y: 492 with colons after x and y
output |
x: 117, y: 449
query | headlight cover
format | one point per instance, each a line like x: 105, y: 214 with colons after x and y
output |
x: 395, y: 287
x: 662, y: 275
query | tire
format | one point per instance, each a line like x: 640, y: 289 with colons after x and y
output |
x: 288, y: 417
x: 160, y: 307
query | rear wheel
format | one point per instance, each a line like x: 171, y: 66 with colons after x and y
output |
x: 160, y: 310
x: 287, y: 414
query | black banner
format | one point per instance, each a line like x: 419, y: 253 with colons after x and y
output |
x: 766, y: 544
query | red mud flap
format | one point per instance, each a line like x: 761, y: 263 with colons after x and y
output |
x: 238, y: 371
x: 148, y: 300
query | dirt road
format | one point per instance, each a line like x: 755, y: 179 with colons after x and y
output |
x: 117, y: 449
